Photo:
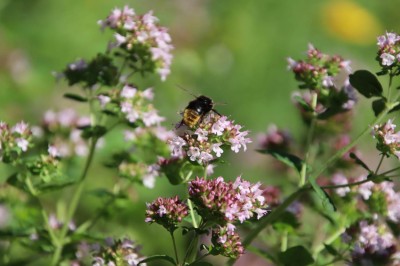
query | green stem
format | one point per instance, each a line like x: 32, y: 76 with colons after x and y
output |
x: 53, y: 238
x: 391, y: 75
x: 175, y: 250
x: 347, y: 185
x: 194, y: 222
x: 353, y: 184
x: 388, y: 172
x: 303, y: 172
x: 310, y: 134
x: 270, y: 218
x: 190, y: 247
x: 73, y: 205
x: 328, y: 241
x: 379, y: 164
x: 284, y: 241
x: 200, y: 258
x: 100, y: 213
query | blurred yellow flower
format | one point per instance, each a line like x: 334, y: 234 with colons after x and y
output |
x: 350, y: 22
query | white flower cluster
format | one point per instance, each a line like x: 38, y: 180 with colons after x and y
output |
x: 206, y: 142
x: 133, y: 31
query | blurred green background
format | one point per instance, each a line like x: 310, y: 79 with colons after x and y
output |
x: 232, y: 51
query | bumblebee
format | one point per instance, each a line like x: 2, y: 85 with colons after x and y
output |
x: 196, y: 110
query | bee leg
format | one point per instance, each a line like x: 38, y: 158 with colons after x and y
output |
x: 215, y: 111
x: 178, y: 125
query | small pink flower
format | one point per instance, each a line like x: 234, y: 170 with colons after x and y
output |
x: 53, y: 151
x: 22, y: 143
x: 387, y: 59
x: 340, y: 179
x: 193, y: 153
x: 201, y: 134
x: 103, y: 99
x: 20, y: 128
x: 217, y: 149
x: 120, y: 39
x: 176, y: 145
x: 328, y: 81
x: 148, y: 94
x: 128, y: 92
x: 152, y: 118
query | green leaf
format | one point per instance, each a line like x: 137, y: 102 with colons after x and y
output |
x: 287, y: 222
x: 378, y: 106
x: 331, y: 250
x: 366, y: 83
x: 14, y: 181
x: 109, y: 113
x: 101, y: 193
x: 96, y: 131
x: 296, y: 256
x: 262, y: 253
x: 56, y: 185
x: 200, y: 263
x: 286, y: 158
x: 75, y: 97
x: 327, y: 202
x: 303, y: 103
x: 359, y: 161
x: 158, y: 257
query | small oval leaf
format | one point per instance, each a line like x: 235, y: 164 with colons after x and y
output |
x: 296, y: 256
x: 366, y: 83
x: 158, y: 257
x: 286, y: 158
x: 75, y: 97
x: 378, y: 106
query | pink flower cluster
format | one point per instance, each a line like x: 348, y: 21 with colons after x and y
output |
x: 226, y: 242
x: 167, y: 212
x: 17, y: 136
x: 64, y: 132
x: 372, y: 243
x: 140, y: 139
x: 132, y: 104
x: 137, y: 32
x: 14, y: 140
x: 227, y: 202
x: 56, y: 224
x: 369, y: 192
x: 275, y: 139
x: 389, y: 49
x: 318, y: 70
x: 207, y: 141
x: 388, y: 140
x: 146, y: 174
x: 115, y: 252
x: 389, y: 195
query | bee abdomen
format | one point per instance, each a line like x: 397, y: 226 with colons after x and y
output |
x: 191, y: 118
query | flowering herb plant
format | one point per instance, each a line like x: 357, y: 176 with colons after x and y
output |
x: 353, y: 205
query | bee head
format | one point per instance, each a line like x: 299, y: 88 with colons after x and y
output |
x: 205, y: 101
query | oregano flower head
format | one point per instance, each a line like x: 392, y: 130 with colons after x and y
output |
x: 389, y: 50
x: 227, y: 202
x: 148, y: 45
x: 388, y: 140
x: 208, y: 140
x: 167, y: 212
x: 14, y: 140
x: 226, y: 243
